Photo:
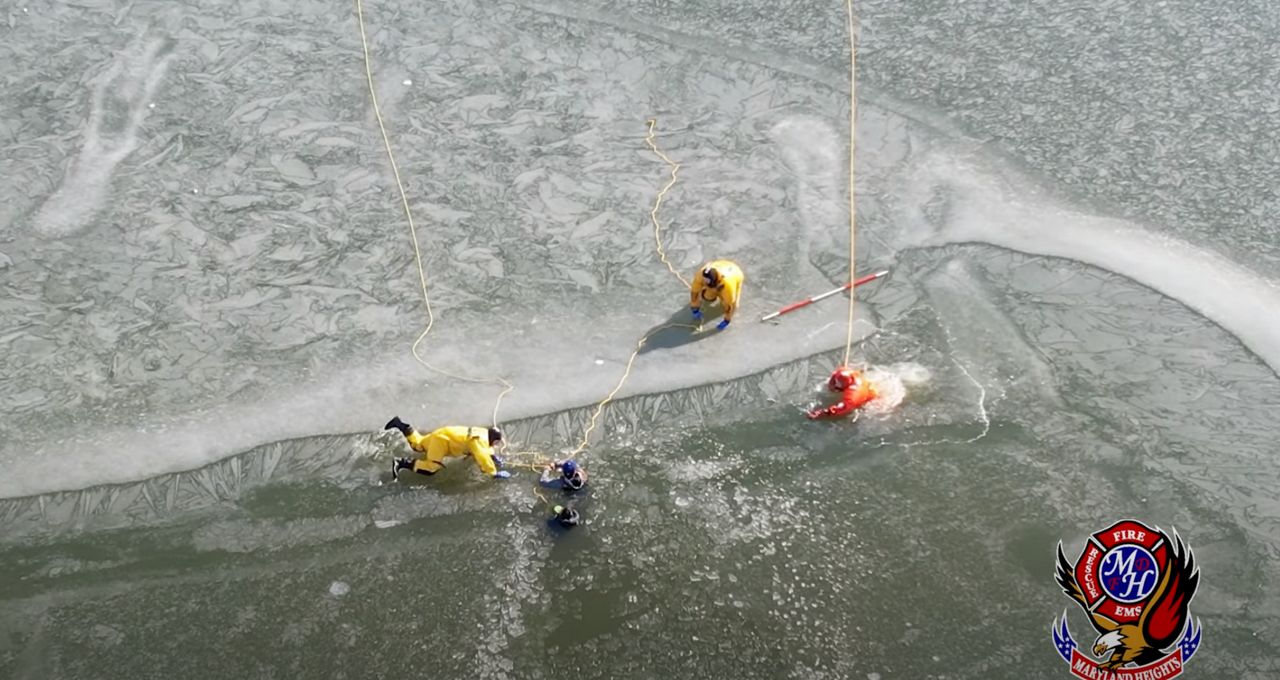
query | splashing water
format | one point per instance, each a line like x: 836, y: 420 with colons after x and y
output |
x: 891, y: 384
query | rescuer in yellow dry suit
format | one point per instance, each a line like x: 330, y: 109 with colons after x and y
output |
x: 718, y: 280
x: 448, y: 442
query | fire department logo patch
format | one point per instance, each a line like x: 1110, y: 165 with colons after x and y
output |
x: 1135, y: 584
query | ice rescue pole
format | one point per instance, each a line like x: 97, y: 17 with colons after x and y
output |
x: 805, y: 303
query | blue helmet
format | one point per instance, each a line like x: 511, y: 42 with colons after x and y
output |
x: 568, y: 468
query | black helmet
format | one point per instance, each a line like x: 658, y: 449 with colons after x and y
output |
x: 572, y: 475
x: 566, y: 516
x: 495, y: 435
x: 711, y: 275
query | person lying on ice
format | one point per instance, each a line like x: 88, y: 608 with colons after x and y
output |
x: 572, y: 477
x: 719, y: 280
x: 448, y: 442
x: 855, y: 391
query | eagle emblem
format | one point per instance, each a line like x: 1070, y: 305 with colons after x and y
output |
x: 1135, y: 584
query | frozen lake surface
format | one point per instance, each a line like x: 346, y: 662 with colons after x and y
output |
x: 209, y: 293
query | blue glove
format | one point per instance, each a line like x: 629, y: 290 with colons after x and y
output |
x: 724, y: 323
x: 697, y: 314
x: 497, y: 460
x: 501, y: 474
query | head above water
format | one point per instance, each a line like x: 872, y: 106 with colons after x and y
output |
x: 843, y: 378
x: 495, y: 435
x: 568, y: 468
x: 567, y: 517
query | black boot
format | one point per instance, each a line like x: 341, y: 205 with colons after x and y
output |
x: 399, y: 464
x: 397, y: 424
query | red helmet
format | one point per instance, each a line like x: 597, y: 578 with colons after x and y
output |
x: 842, y: 379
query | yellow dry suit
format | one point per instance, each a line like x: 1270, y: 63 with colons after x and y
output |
x: 717, y: 280
x: 451, y: 442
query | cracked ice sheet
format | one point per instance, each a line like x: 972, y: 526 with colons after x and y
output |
x: 1163, y: 110
x: 242, y: 247
x: 741, y: 521
x: 741, y: 526
x: 269, y: 285
x: 1144, y: 396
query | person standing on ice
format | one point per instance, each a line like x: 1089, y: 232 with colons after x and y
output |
x: 855, y: 391
x: 719, y: 280
x: 448, y: 442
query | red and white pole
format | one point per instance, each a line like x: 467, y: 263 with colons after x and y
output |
x: 805, y: 303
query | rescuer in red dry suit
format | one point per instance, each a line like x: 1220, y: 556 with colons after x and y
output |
x: 855, y: 391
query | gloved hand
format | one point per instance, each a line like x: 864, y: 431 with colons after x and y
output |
x: 697, y: 314
x: 724, y: 323
x: 497, y: 460
x: 501, y: 474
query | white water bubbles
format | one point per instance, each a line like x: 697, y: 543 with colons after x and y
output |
x: 893, y: 383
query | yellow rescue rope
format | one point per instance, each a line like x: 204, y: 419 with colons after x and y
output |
x: 413, y: 230
x: 657, y: 238
x: 853, y: 107
x: 653, y: 214
x: 540, y: 459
